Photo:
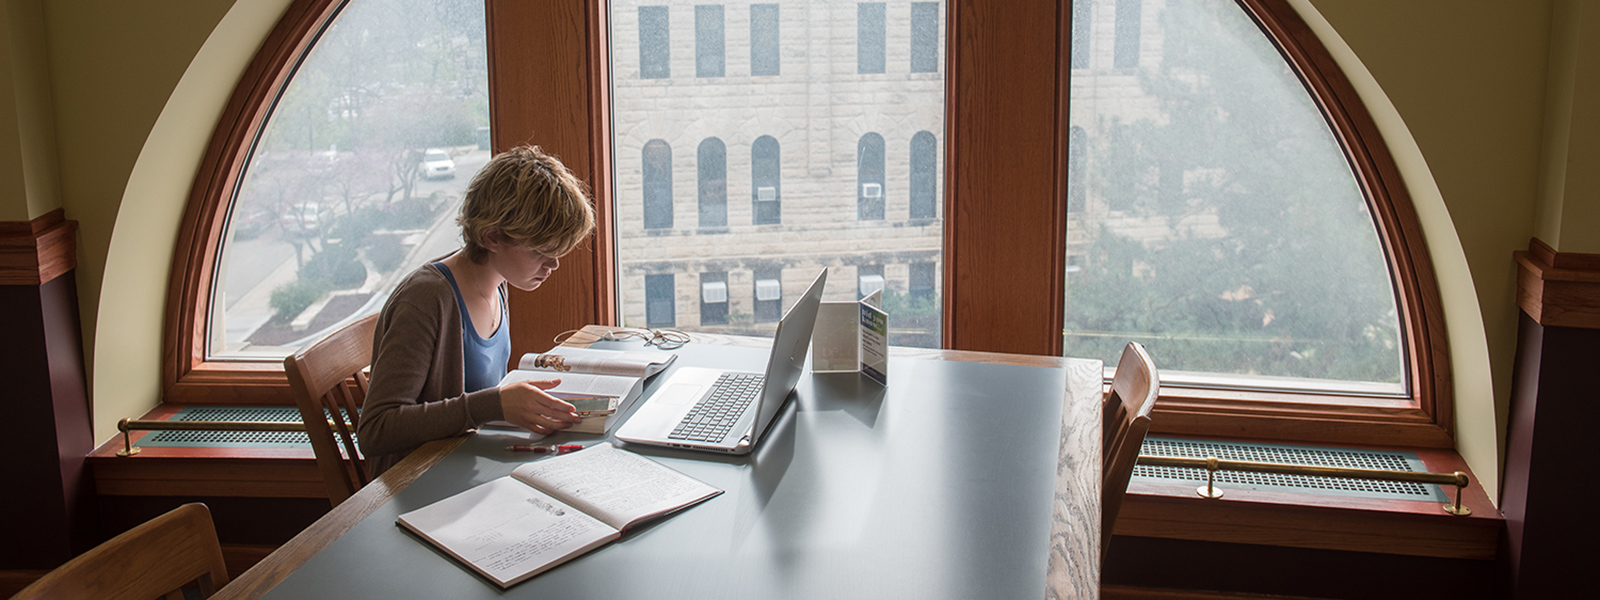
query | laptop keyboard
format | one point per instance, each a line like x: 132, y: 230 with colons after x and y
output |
x: 715, y: 414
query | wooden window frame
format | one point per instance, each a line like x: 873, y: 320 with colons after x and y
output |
x: 1006, y: 145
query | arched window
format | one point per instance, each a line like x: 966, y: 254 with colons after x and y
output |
x: 869, y: 177
x: 361, y: 151
x: 766, y: 190
x: 924, y: 176
x: 1231, y: 238
x: 713, y: 169
x: 975, y: 302
x: 657, y: 176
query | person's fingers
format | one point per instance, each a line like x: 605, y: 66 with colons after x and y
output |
x: 546, y: 384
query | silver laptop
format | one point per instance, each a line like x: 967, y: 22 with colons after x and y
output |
x: 728, y: 411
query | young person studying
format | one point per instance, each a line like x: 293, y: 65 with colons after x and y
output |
x: 442, y: 342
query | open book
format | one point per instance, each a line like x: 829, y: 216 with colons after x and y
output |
x: 629, y: 363
x: 549, y: 511
x: 599, y: 383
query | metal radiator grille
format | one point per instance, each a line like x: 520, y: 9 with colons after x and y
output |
x: 232, y: 439
x: 1287, y: 454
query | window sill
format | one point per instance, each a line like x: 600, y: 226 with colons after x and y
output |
x: 1316, y: 521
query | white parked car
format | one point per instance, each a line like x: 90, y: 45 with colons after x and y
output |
x: 436, y: 164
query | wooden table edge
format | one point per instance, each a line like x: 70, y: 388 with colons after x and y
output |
x: 1067, y: 572
x: 277, y: 566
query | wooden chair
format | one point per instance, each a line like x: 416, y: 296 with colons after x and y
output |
x: 1126, y: 414
x: 317, y: 374
x: 153, y: 560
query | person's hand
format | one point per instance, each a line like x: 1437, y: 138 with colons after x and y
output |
x: 526, y: 405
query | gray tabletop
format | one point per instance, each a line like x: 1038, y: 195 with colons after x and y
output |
x: 939, y: 485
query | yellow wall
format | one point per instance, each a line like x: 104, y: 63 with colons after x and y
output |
x: 1568, y: 216
x: 27, y: 127
x: 136, y: 88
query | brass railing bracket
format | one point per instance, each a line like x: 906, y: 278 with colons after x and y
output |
x: 129, y: 425
x: 1212, y: 464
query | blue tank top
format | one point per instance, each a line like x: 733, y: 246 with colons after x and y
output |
x: 484, y: 359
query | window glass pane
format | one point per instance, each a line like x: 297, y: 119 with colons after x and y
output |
x: 660, y: 300
x: 924, y: 37
x: 1128, y: 14
x: 714, y: 298
x: 870, y: 42
x: 655, y: 48
x: 924, y: 182
x: 713, y: 167
x: 764, y: 39
x: 354, y: 177
x: 793, y: 144
x: 657, y: 178
x: 1219, y: 222
x: 1080, y: 34
x: 869, y: 176
x: 765, y: 167
x: 708, y: 55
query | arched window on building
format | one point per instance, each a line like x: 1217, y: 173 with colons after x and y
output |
x: 657, y: 178
x: 766, y: 189
x: 924, y: 176
x: 869, y: 177
x: 712, y: 164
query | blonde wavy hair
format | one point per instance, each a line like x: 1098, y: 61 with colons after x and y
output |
x: 532, y: 199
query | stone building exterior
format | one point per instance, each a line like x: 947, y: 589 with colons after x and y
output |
x: 709, y: 98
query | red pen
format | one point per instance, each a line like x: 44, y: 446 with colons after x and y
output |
x: 545, y: 449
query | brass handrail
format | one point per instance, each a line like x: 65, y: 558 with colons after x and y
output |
x: 128, y: 425
x: 1213, y: 464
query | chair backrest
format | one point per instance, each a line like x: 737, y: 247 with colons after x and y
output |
x: 153, y: 560
x: 317, y: 375
x: 1126, y: 414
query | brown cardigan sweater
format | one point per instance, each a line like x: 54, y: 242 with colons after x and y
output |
x: 417, y: 391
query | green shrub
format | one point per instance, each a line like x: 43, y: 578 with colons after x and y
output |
x: 385, y: 252
x: 291, y: 299
x: 337, y: 266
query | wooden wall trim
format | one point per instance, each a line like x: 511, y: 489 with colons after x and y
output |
x: 205, y: 217
x: 35, y: 252
x: 1558, y: 289
x: 1005, y: 213
x: 566, y: 112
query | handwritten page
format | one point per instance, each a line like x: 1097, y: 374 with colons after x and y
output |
x: 507, y: 530
x: 616, y: 486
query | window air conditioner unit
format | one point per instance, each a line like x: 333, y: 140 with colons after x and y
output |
x: 768, y: 290
x: 871, y: 190
x: 869, y: 284
x: 714, y: 292
x: 766, y: 193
